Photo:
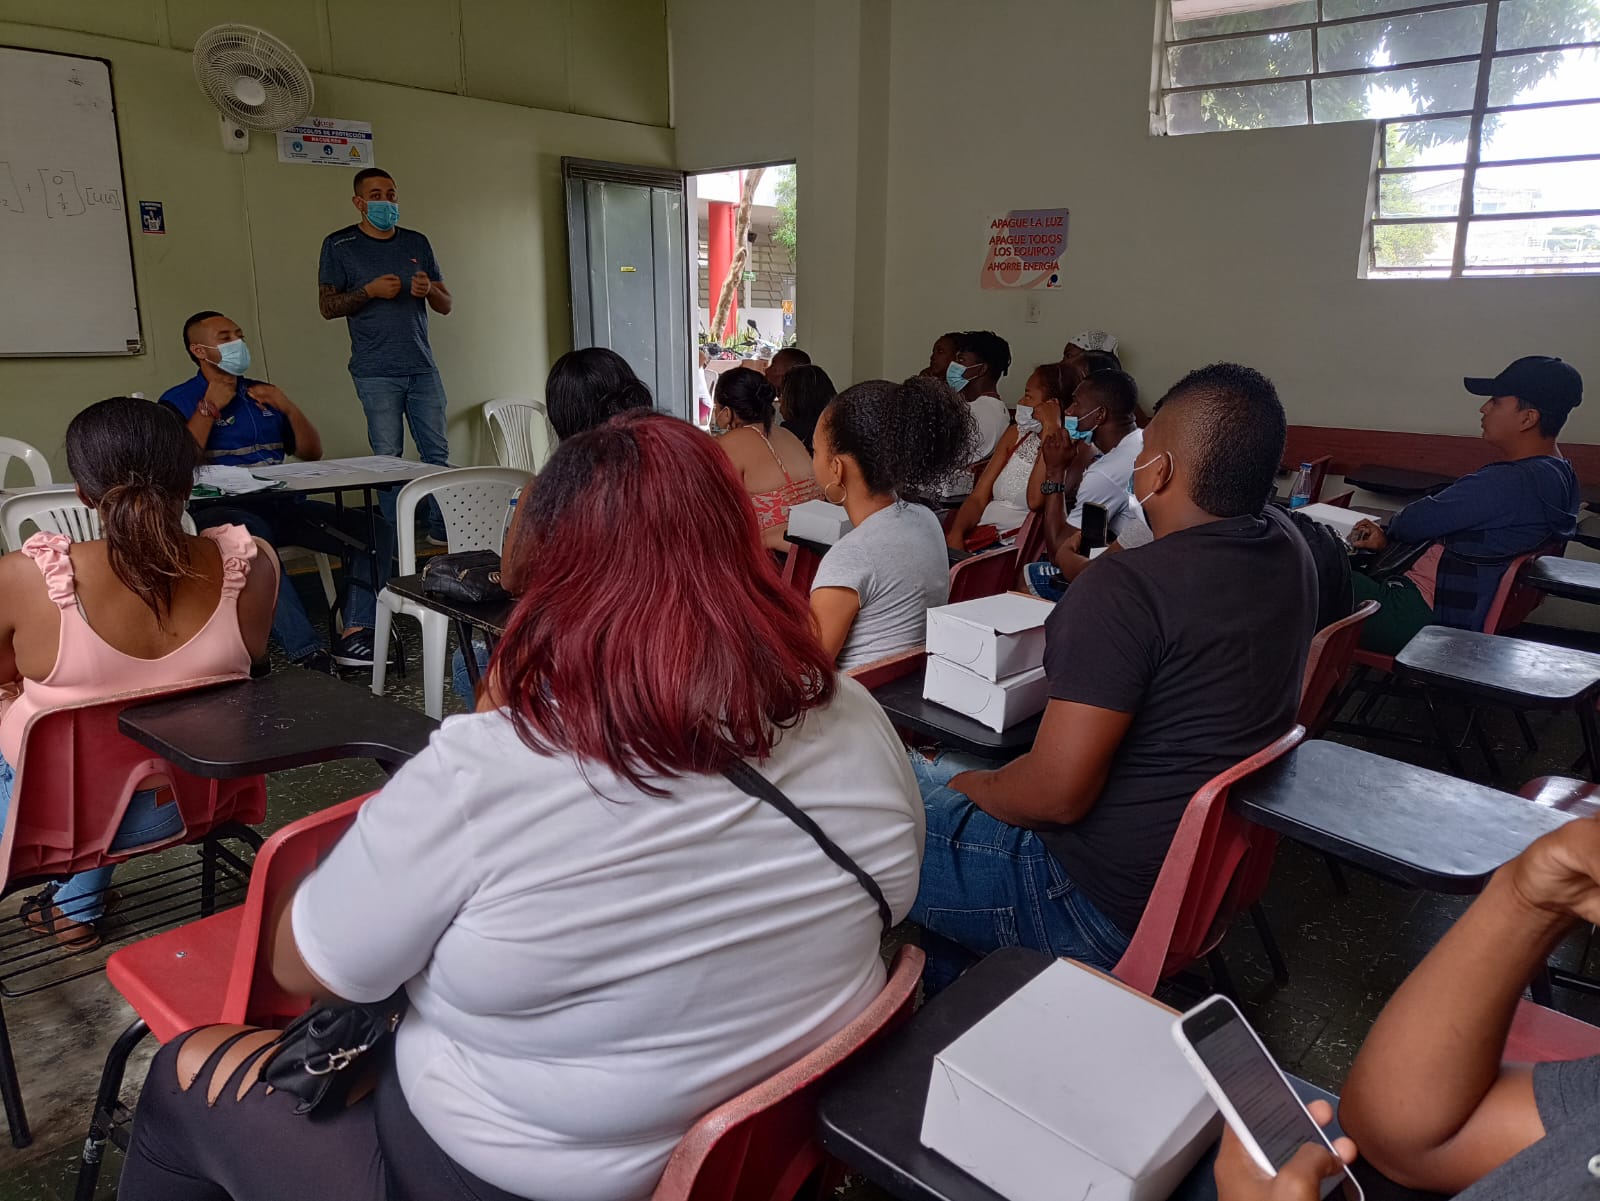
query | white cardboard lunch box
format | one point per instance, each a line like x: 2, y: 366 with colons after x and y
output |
x: 993, y: 636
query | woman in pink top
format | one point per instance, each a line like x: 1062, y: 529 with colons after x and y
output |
x: 145, y: 606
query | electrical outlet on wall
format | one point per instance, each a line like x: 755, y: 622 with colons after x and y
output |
x: 1030, y: 314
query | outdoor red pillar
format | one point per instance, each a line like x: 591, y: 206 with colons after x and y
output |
x: 719, y: 257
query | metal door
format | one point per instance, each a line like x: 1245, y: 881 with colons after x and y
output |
x: 626, y: 239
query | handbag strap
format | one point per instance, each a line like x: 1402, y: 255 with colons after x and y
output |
x: 748, y: 780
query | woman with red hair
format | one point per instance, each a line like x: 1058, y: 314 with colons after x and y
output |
x: 603, y: 931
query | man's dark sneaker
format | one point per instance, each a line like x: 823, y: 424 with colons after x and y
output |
x: 354, y: 649
x: 320, y: 662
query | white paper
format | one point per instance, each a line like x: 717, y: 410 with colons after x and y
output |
x: 234, y: 481
x: 290, y: 471
x: 380, y: 464
x: 1341, y: 520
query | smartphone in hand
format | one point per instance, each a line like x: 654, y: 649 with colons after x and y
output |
x: 1252, y: 1092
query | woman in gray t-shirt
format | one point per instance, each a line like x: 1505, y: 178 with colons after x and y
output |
x: 872, y: 592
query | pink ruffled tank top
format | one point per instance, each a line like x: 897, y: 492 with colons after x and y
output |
x: 87, y: 666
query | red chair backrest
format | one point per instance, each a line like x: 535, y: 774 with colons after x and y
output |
x: 1540, y: 1035
x: 886, y: 671
x: 1332, y: 652
x: 1319, y: 472
x: 1217, y: 865
x: 1342, y: 501
x: 1030, y: 542
x: 75, y: 776
x: 253, y: 996
x: 761, y: 1146
x: 1514, y: 602
x: 800, y: 568
x: 988, y: 574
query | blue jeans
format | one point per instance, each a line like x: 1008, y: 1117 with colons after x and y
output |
x: 83, y: 897
x: 393, y: 401
x: 295, y: 521
x: 460, y: 680
x: 987, y: 885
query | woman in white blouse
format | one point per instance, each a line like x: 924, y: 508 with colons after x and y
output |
x: 600, y: 936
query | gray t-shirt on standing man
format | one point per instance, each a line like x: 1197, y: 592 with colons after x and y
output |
x: 897, y: 563
x: 387, y: 337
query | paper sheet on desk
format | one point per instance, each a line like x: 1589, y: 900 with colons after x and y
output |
x: 288, y: 471
x: 232, y: 481
x: 379, y: 463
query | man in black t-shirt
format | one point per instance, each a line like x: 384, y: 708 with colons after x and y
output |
x: 1167, y: 665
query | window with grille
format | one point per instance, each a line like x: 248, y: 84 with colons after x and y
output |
x: 1488, y: 115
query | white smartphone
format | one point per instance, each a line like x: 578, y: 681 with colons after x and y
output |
x: 1251, y: 1090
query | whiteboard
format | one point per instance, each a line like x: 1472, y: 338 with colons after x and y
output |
x: 66, y: 260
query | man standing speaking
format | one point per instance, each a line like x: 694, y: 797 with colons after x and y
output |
x: 383, y: 280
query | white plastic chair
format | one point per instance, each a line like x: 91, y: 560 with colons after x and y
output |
x: 12, y: 448
x: 521, y: 433
x: 473, y: 501
x: 56, y: 511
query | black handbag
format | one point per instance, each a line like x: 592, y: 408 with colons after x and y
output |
x: 469, y: 577
x: 313, y: 1057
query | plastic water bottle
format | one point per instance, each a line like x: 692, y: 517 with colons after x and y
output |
x: 1300, y: 494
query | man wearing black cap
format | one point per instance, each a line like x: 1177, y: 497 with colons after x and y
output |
x: 1468, y: 534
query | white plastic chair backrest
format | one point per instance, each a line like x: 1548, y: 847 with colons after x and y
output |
x: 38, y: 465
x: 520, y: 432
x: 473, y: 501
x: 55, y: 512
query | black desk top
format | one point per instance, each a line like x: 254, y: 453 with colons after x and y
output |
x: 1396, y: 481
x: 870, y: 1116
x: 1494, y: 668
x: 1575, y: 579
x: 902, y: 701
x: 491, y: 616
x: 1407, y: 823
x: 287, y: 719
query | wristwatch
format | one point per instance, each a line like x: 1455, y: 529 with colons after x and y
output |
x: 1052, y: 488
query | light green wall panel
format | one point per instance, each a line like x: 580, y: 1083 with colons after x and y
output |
x: 516, y: 51
x: 136, y: 20
x: 300, y: 23
x: 415, y: 44
x: 619, y: 60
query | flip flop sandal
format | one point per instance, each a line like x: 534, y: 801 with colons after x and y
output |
x: 39, y: 914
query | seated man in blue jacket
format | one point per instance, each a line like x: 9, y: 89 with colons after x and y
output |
x: 1476, y: 526
x: 243, y: 422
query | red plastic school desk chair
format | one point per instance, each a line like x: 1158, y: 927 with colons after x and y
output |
x: 1514, y: 602
x: 1540, y: 1035
x: 986, y: 574
x: 886, y: 671
x: 1030, y: 547
x: 75, y: 777
x: 761, y: 1146
x: 213, y: 970
x: 1216, y: 867
x: 1332, y: 652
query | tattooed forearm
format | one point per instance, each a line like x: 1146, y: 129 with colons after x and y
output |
x: 335, y: 303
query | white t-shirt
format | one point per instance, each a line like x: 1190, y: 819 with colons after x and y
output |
x: 993, y: 418
x: 897, y: 564
x: 591, y: 968
x: 1105, y: 482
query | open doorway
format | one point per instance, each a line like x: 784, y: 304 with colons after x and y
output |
x: 742, y: 274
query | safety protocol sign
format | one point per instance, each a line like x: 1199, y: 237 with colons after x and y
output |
x: 327, y: 142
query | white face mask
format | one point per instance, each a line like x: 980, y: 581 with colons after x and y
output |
x: 1138, y: 467
x: 1027, y: 423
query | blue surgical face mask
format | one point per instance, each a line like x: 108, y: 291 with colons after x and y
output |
x: 234, y: 357
x: 1027, y: 423
x: 383, y: 214
x: 1070, y: 424
x: 956, y: 376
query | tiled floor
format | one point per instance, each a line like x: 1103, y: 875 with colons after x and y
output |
x: 1346, y: 954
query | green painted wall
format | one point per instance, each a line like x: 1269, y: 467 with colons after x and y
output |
x: 479, y: 177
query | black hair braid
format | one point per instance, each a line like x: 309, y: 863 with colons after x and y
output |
x: 902, y: 436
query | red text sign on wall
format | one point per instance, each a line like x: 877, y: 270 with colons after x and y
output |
x: 1025, y: 248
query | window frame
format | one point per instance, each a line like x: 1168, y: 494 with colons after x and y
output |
x: 1487, y: 55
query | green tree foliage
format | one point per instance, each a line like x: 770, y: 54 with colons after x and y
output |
x: 783, y: 232
x: 1401, y: 245
x: 1387, y: 38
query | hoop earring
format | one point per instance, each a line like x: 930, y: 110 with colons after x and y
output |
x: 827, y: 496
